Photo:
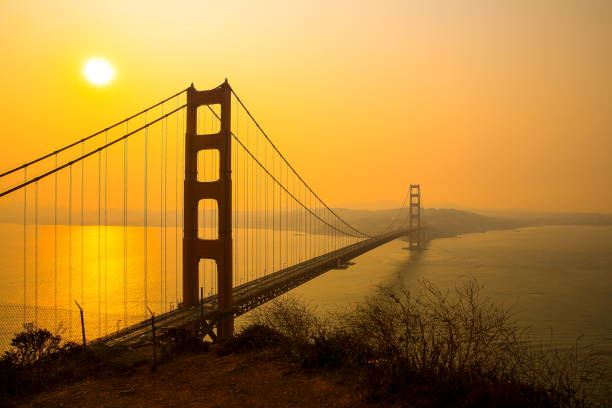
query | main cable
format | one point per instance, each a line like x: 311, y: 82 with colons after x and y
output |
x: 46, y: 156
x: 281, y: 186
x: 78, y: 159
x: 291, y: 167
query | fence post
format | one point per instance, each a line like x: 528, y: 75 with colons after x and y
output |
x: 201, y: 334
x: 82, y: 326
x: 153, y: 331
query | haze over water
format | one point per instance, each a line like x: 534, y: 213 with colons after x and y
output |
x: 556, y: 280
x: 87, y: 266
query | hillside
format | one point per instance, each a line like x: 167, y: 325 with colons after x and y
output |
x: 440, y: 222
x: 445, y: 222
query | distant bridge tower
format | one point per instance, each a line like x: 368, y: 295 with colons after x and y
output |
x: 415, y: 216
x: 220, y: 249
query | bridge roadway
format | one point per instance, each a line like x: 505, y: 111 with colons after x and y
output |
x: 251, y: 294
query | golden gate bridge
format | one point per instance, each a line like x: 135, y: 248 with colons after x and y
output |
x: 185, y: 209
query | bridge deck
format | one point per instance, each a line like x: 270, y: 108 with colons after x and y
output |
x: 251, y: 294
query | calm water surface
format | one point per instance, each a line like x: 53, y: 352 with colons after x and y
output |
x: 557, y: 280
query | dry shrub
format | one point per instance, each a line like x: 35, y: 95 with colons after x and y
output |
x: 251, y: 338
x: 468, y: 346
x: 436, y: 333
x: 289, y: 317
x: 437, y: 348
x: 37, y: 359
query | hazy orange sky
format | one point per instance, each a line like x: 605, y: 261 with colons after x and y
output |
x: 486, y: 104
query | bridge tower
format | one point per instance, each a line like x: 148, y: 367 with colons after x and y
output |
x: 415, y: 216
x: 194, y: 248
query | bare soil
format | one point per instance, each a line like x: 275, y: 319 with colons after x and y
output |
x: 208, y: 380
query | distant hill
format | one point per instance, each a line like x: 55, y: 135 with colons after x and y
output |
x: 551, y: 218
x: 445, y: 222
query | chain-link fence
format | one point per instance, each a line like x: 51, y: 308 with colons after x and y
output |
x: 66, y: 323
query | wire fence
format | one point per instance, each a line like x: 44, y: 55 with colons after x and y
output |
x: 64, y: 322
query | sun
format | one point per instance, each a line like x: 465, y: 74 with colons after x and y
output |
x: 98, y: 71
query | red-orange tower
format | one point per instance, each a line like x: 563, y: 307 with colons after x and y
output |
x: 415, y: 216
x: 220, y: 190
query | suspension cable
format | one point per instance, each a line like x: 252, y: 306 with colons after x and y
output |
x: 55, y: 251
x: 78, y: 159
x: 106, y: 235
x: 176, y: 194
x: 82, y: 227
x: 361, y: 234
x: 146, y: 215
x: 125, y: 221
x: 25, y: 244
x: 290, y: 166
x: 70, y: 251
x: 99, y: 246
x: 36, y: 253
x: 46, y: 156
x: 165, y: 173
x: 161, y: 220
x: 281, y: 186
x: 397, y: 214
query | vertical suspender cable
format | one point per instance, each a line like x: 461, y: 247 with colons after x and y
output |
x: 293, y: 214
x: 176, y: 190
x: 125, y: 222
x: 55, y: 249
x: 273, y: 218
x: 237, y: 236
x: 245, y: 224
x: 99, y: 244
x: 251, y: 190
x: 161, y: 219
x: 290, y: 222
x: 287, y: 217
x: 36, y: 253
x: 304, y: 226
x: 146, y: 218
x: 273, y: 215
x: 281, y: 218
x: 105, y: 233
x: 256, y: 246
x: 82, y: 226
x: 234, y: 204
x: 165, y: 168
x: 249, y: 198
x: 183, y: 162
x: 266, y: 179
x: 25, y: 243
x: 310, y: 230
x: 70, y: 251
